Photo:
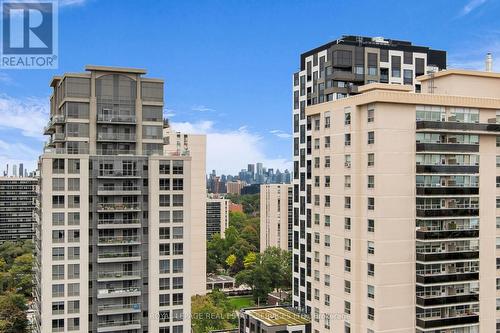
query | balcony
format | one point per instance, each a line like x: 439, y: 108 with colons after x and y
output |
x: 113, y: 326
x: 70, y: 151
x: 116, y: 137
x: 437, y: 210
x: 448, y: 169
x: 460, y: 319
x: 118, y: 190
x: 446, y: 234
x: 118, y: 276
x: 58, y: 137
x: 118, y: 207
x: 118, y: 173
x: 114, y: 152
x: 436, y: 300
x: 443, y: 277
x: 447, y: 190
x: 112, y: 309
x: 118, y: 292
x: 118, y: 223
x: 447, y: 147
x: 115, y: 118
x: 118, y: 240
x: 484, y: 128
x: 58, y: 119
x: 108, y: 257
x: 465, y: 254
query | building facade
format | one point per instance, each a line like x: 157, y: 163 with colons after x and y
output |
x: 217, y: 216
x: 396, y: 204
x: 17, y: 208
x: 121, y: 210
x: 276, y: 216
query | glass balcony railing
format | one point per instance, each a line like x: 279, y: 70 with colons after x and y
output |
x: 111, y: 240
x: 118, y: 188
x: 119, y: 275
x: 118, y: 206
x: 116, y: 136
x: 118, y: 255
x: 118, y: 221
x: 110, y: 308
x: 124, y: 324
x: 115, y: 118
x: 118, y: 291
x: 118, y: 173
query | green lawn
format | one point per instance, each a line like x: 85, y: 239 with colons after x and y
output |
x: 239, y: 302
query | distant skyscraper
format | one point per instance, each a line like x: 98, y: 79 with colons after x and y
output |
x: 17, y: 208
x: 21, y: 170
x: 14, y: 170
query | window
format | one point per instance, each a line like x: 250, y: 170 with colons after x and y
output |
x: 347, y: 244
x: 327, y: 120
x: 58, y: 253
x: 57, y: 184
x: 177, y: 299
x: 178, y: 282
x: 407, y: 76
x: 57, y: 218
x: 371, y: 159
x: 327, y: 161
x: 164, y: 249
x: 327, y: 260
x: 316, y: 162
x: 327, y: 280
x: 347, y: 117
x: 73, y: 306
x: 73, y: 236
x: 371, y: 313
x: 57, y: 325
x: 73, y: 253
x: 327, y: 220
x: 57, y: 272
x: 359, y: 70
x: 73, y: 184
x: 371, y: 181
x: 58, y: 290
x: 371, y: 138
x: 347, y: 223
x: 73, y: 289
x: 177, y: 200
x: 164, y: 167
x: 371, y: 291
x: 57, y: 165
x: 58, y: 307
x: 164, y: 300
x: 164, y: 266
x: 371, y: 247
x: 164, y: 185
x: 347, y: 161
x: 177, y: 265
x: 316, y: 124
x: 164, y: 200
x: 177, y: 232
x: 327, y: 240
x: 164, y: 283
x: 347, y: 202
x: 498, y: 161
x: 316, y: 143
x: 73, y: 201
x: 371, y: 203
x: 73, y: 271
x: 327, y: 201
x: 498, y: 181
x: 58, y: 201
x: 371, y: 269
x: 327, y: 142
x: 347, y: 265
x: 370, y: 114
x: 347, y: 286
x: 327, y: 181
x: 371, y: 225
x: 498, y: 141
x: 57, y: 236
x: 347, y: 181
x: 347, y: 307
x: 73, y: 166
x: 178, y: 167
x: 347, y: 139
x: 178, y: 249
x: 178, y: 184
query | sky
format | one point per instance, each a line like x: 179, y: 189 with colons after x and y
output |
x: 228, y: 64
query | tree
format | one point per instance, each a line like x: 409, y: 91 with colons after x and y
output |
x: 231, y: 260
x: 13, y: 313
x: 212, y: 312
x: 249, y: 260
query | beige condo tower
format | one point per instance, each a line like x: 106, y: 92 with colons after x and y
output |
x: 276, y: 220
x: 396, y: 204
x: 121, y: 242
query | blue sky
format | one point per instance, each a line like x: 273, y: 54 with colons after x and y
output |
x: 228, y: 64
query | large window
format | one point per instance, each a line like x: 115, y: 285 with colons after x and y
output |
x: 430, y: 113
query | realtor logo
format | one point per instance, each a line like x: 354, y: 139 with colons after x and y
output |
x: 29, y: 34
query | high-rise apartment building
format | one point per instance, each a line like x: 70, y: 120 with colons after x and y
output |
x: 235, y: 187
x: 396, y: 203
x: 276, y: 216
x: 217, y: 216
x: 17, y: 208
x: 122, y: 211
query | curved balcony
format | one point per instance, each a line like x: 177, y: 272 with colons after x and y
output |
x: 112, y: 309
x: 118, y: 292
x: 466, y: 169
x: 118, y: 276
x: 447, y: 147
x: 118, y: 207
x: 447, y: 234
x: 118, y: 240
x: 460, y: 319
x: 113, y: 326
x: 465, y: 254
x: 118, y: 224
x: 484, y: 128
x: 436, y: 300
x: 443, y: 277
x: 107, y: 257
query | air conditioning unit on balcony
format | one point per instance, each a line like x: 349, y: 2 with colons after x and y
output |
x: 347, y: 164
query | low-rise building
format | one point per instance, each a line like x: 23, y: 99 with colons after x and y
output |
x: 273, y: 319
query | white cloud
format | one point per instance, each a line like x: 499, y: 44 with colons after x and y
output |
x: 281, y: 134
x: 473, y: 56
x: 470, y: 6
x: 202, y: 108
x: 230, y: 151
x: 169, y: 113
x: 16, y: 153
x: 28, y: 115
x: 5, y: 78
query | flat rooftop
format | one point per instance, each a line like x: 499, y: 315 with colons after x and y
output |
x: 219, y: 279
x: 277, y: 316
